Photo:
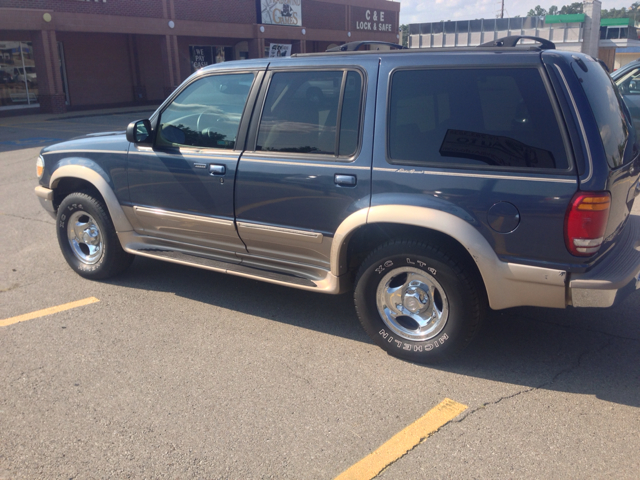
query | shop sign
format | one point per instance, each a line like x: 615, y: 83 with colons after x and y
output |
x: 372, y: 20
x: 203, y: 55
x: 282, y: 12
x: 279, y: 50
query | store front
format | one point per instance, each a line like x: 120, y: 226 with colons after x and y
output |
x: 18, y: 76
x: 72, y: 55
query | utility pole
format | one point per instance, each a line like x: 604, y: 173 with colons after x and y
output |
x: 502, y: 10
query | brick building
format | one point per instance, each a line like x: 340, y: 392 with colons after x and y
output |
x: 57, y: 55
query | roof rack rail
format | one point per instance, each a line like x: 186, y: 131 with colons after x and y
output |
x: 353, y: 46
x: 513, y: 40
x: 603, y: 65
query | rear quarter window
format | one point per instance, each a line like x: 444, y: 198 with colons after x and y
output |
x: 484, y: 117
x: 608, y: 110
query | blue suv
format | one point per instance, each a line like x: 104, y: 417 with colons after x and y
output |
x: 434, y: 184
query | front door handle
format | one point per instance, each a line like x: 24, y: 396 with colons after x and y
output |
x: 217, y: 169
x: 345, y: 180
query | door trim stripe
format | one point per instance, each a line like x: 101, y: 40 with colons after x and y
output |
x: 183, y: 216
x: 334, y: 165
x: 314, y: 237
x: 476, y: 175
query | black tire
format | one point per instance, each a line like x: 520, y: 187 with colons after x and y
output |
x: 88, y: 239
x: 405, y: 280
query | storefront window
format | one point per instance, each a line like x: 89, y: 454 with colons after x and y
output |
x: 203, y: 55
x: 18, y: 78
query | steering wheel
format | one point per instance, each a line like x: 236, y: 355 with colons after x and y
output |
x: 203, y: 123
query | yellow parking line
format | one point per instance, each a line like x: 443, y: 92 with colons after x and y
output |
x: 47, y: 311
x: 403, y: 441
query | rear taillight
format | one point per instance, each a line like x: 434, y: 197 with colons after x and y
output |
x: 586, y: 222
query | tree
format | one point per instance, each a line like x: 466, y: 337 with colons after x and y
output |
x: 575, y: 7
x: 404, y: 29
x: 616, y: 13
x: 538, y: 11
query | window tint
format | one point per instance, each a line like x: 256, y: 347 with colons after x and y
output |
x: 207, y: 113
x: 350, y: 119
x: 629, y: 83
x: 301, y: 112
x: 475, y: 117
x: 629, y: 87
x: 608, y: 110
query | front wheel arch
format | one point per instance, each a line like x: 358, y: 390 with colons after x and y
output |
x: 69, y: 185
x: 96, y: 180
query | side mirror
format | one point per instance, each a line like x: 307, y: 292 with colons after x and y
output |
x: 139, y: 132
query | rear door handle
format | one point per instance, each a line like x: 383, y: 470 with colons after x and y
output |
x: 345, y: 180
x: 217, y: 169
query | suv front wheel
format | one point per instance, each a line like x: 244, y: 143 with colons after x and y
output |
x: 417, y: 303
x: 88, y: 239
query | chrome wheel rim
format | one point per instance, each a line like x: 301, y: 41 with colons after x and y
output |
x: 412, y: 304
x: 85, y: 238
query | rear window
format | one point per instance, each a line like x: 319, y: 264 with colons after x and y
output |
x: 607, y: 108
x: 473, y: 117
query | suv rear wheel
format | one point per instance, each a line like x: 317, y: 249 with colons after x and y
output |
x: 88, y: 238
x: 417, y: 303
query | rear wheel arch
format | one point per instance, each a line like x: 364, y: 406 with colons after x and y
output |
x: 367, y: 238
x: 369, y: 227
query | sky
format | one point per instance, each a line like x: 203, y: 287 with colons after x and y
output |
x: 423, y: 11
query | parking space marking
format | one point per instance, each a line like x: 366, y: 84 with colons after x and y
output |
x: 47, y: 311
x: 404, y: 441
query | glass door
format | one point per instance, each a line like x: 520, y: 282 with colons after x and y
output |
x: 18, y: 78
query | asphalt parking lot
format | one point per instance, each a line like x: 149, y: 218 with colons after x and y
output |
x: 174, y: 372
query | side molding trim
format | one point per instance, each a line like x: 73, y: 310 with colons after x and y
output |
x: 118, y: 217
x: 279, y: 232
x: 182, y: 216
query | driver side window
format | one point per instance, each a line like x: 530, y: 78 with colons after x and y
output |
x: 207, y: 113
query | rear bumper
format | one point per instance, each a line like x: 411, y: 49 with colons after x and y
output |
x: 615, y: 277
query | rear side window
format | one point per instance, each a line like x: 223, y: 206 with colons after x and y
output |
x: 607, y: 108
x: 303, y: 113
x: 473, y: 117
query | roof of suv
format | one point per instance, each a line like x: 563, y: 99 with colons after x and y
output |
x: 501, y: 44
